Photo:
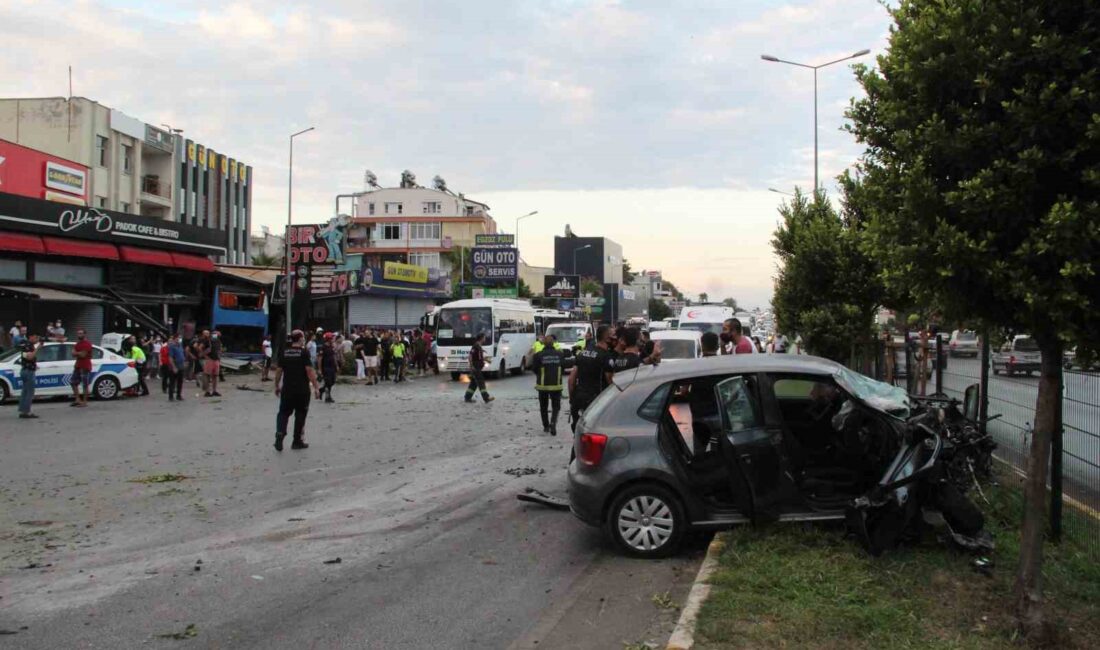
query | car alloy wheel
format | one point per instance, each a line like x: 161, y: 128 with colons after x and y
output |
x: 106, y: 388
x: 646, y: 521
x: 4, y: 392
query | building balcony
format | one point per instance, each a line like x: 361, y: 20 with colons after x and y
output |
x: 156, y: 191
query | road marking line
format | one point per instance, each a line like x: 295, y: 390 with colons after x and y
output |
x: 683, y: 636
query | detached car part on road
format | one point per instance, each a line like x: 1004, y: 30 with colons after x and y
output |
x: 717, y: 442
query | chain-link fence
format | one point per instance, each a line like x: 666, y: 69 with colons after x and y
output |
x: 935, y: 367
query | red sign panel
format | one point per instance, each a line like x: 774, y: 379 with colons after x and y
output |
x: 38, y: 175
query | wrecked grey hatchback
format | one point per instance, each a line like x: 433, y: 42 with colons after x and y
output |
x: 721, y: 441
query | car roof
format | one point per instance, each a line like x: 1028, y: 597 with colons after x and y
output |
x: 730, y: 363
x: 684, y: 335
x: 570, y: 324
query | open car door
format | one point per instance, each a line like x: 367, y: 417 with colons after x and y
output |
x: 755, y: 455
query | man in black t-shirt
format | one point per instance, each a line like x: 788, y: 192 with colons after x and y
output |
x: 477, y: 378
x: 293, y: 379
x: 370, y: 355
x: 591, y: 374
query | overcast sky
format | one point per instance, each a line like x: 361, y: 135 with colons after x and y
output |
x: 652, y: 123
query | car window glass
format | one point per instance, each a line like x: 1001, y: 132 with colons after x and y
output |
x: 651, y: 407
x: 793, y: 388
x: 52, y: 353
x: 97, y: 353
x: 739, y: 408
x: 693, y: 406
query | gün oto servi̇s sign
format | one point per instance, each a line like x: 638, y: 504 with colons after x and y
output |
x: 492, y: 265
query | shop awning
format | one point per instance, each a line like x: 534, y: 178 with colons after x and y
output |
x: 11, y: 241
x: 193, y: 262
x: 45, y: 294
x: 146, y: 256
x: 78, y: 248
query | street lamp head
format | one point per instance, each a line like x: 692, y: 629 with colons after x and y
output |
x: 301, y: 132
x: 584, y: 247
x: 768, y: 57
x: 861, y: 53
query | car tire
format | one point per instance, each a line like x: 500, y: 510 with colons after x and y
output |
x: 106, y: 388
x: 522, y: 367
x: 455, y: 376
x: 5, y: 392
x: 646, y: 520
x: 503, y: 370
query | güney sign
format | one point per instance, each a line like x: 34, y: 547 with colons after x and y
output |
x: 32, y: 215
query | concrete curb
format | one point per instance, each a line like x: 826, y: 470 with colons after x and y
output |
x: 683, y: 637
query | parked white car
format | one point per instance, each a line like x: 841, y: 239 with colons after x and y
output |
x: 111, y: 373
x: 677, y: 345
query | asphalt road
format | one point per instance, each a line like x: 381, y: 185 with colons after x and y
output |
x: 405, y: 484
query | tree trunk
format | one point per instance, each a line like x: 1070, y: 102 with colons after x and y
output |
x: 1028, y: 590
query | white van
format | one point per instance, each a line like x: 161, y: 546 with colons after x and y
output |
x: 677, y: 345
x: 705, y: 318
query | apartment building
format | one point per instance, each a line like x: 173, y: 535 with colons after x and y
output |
x: 134, y: 167
x: 414, y: 224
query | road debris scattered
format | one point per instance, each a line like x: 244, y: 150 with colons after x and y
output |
x: 334, y: 561
x: 532, y: 495
x: 188, y: 632
x: 160, y: 478
x: 524, y: 471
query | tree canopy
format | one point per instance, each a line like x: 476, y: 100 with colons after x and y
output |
x: 979, y: 187
x: 826, y: 288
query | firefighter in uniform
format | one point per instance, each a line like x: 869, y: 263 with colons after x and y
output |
x: 548, y: 372
x: 477, y: 365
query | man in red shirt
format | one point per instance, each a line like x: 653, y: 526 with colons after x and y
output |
x: 733, y: 335
x: 82, y: 369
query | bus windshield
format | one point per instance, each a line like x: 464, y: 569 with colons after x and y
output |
x: 567, y: 334
x: 460, y: 326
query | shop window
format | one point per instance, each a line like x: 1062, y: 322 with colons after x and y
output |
x: 77, y: 274
x: 13, y: 270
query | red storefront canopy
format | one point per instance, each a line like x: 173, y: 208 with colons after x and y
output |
x: 193, y: 262
x: 146, y: 256
x: 12, y: 241
x: 79, y: 248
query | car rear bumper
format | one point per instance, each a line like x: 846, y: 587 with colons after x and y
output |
x: 586, y: 495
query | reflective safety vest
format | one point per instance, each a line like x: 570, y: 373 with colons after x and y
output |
x: 548, y: 369
x: 539, y: 345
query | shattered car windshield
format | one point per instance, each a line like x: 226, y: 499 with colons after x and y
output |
x: 891, y: 400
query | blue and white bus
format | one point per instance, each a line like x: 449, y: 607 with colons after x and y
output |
x: 241, y: 315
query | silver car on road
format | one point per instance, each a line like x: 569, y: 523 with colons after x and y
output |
x: 721, y: 441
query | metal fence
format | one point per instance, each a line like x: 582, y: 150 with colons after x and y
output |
x: 1008, y: 409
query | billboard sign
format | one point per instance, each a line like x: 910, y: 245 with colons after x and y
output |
x: 38, y: 175
x: 494, y: 240
x: 491, y: 265
x: 63, y: 219
x: 318, y: 244
x: 566, y: 287
x: 493, y: 292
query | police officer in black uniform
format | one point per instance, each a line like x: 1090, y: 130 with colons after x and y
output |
x: 548, y: 366
x: 591, y: 374
x: 293, y: 378
x: 477, y: 365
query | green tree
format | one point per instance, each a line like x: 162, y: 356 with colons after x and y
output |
x: 825, y: 289
x: 628, y: 273
x: 459, y: 258
x: 980, y: 181
x: 658, y: 310
x: 263, y: 259
x: 731, y: 303
x: 524, y: 290
x: 703, y: 296
x: 590, y: 286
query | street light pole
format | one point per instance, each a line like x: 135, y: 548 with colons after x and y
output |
x: 815, y: 68
x: 518, y: 219
x: 286, y: 235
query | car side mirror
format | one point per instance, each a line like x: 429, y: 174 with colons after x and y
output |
x: 970, y: 403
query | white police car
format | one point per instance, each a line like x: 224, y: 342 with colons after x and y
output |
x: 111, y: 373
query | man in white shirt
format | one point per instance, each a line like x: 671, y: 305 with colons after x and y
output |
x: 267, y: 357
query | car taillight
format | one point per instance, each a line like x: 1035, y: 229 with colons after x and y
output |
x: 590, y: 448
x: 132, y: 364
x: 1012, y: 359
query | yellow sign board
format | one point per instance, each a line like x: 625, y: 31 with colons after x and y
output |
x: 405, y: 272
x: 201, y: 152
x: 191, y: 151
